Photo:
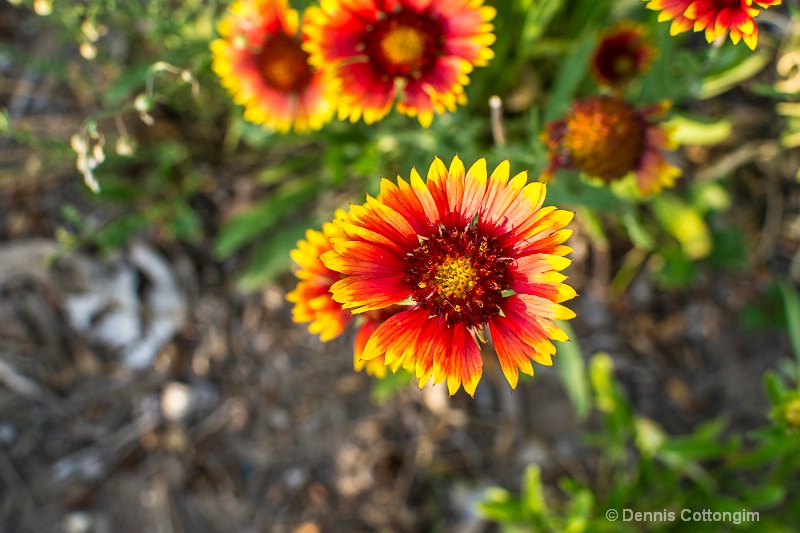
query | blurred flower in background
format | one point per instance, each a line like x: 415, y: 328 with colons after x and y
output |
x: 607, y: 138
x: 470, y: 252
x: 313, y: 302
x: 716, y: 17
x: 312, y: 296
x: 419, y: 52
x: 371, y: 320
x: 260, y: 62
x: 623, y: 53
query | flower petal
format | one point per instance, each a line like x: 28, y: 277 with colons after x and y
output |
x: 523, y: 333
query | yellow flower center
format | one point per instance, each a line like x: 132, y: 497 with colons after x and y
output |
x: 284, y: 65
x: 455, y: 277
x: 403, y: 45
x: 624, y: 65
x: 458, y: 275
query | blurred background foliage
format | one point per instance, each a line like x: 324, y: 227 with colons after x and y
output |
x: 159, y: 137
x: 641, y: 468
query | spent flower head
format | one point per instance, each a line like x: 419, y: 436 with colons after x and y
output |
x: 606, y: 137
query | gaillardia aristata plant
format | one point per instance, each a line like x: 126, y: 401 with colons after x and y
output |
x: 313, y: 301
x: 417, y: 51
x: 463, y: 252
x: 715, y: 17
x: 605, y: 137
x: 260, y: 61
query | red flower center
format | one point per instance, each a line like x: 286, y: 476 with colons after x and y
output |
x: 284, y: 65
x: 404, y: 44
x: 459, y: 275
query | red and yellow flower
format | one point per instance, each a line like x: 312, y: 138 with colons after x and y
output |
x: 714, y: 16
x: 468, y: 252
x: 260, y: 61
x: 606, y: 137
x: 313, y: 303
x: 622, y: 54
x: 417, y: 51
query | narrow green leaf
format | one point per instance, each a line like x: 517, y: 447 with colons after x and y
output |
x: 263, y: 216
x: 533, y: 504
x: 685, y: 224
x: 704, y: 443
x: 766, y: 496
x: 774, y: 386
x: 384, y: 389
x: 791, y: 302
x: 571, y: 74
x: 500, y: 505
x: 689, y: 131
x: 571, y: 371
x: 601, y: 374
x: 272, y: 256
x: 131, y: 81
x: 638, y: 234
x: 570, y: 190
x: 537, y: 18
x: 724, y: 81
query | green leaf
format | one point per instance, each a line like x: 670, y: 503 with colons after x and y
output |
x: 791, y: 302
x: 265, y: 215
x: 184, y: 222
x: 533, y: 504
x: 674, y: 73
x: 671, y: 268
x: 131, y: 81
x: 774, y: 386
x: 730, y: 78
x: 579, y: 510
x: 500, y: 505
x: 702, y: 444
x: 569, y: 189
x: 695, y: 132
x: 639, y: 235
x: 572, y: 72
x: 649, y: 436
x: 773, y: 449
x: 729, y: 251
x: 601, y: 373
x: 537, y: 18
x: 384, y: 389
x: 684, y: 223
x: 571, y: 371
x: 116, y: 233
x: 766, y: 496
x: 272, y: 256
